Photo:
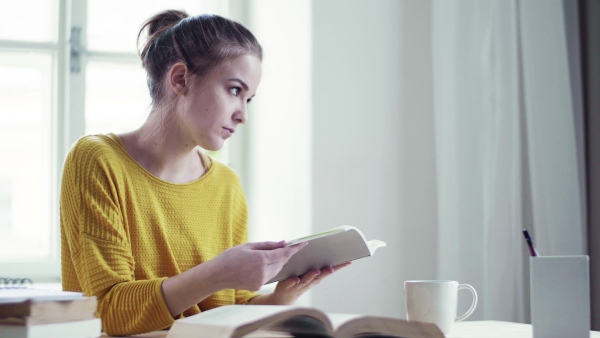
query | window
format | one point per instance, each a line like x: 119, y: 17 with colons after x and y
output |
x: 28, y: 65
x: 62, y: 76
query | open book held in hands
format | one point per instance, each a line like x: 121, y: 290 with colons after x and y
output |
x: 232, y: 321
x: 328, y: 248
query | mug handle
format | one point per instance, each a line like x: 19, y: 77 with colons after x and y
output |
x: 473, y: 305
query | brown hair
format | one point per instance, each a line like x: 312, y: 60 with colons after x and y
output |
x: 202, y: 42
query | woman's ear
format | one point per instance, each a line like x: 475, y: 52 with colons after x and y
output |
x: 179, y: 78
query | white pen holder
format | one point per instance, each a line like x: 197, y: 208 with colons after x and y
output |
x: 560, y: 296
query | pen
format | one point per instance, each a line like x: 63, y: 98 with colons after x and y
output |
x: 532, y: 249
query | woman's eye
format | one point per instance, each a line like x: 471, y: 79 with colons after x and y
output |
x: 235, y: 91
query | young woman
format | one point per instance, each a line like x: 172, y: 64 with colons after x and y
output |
x: 152, y: 226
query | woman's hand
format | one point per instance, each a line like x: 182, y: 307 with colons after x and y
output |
x: 247, y: 266
x: 289, y: 290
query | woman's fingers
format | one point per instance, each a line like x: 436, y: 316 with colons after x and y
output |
x: 276, y: 258
x: 343, y: 265
x: 248, y: 266
x: 314, y: 276
x: 288, y: 291
x: 289, y: 283
x: 309, y: 276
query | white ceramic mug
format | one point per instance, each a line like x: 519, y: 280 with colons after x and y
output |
x: 434, y: 301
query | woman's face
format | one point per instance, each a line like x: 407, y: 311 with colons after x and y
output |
x: 213, y: 109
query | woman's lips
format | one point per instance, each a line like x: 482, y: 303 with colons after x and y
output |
x: 228, y: 131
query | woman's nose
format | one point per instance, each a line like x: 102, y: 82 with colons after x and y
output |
x: 241, y: 115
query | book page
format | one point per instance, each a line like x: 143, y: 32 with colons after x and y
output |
x: 240, y: 320
x: 269, y: 334
x: 375, y: 244
x: 320, y: 234
x: 349, y: 325
x: 300, y: 325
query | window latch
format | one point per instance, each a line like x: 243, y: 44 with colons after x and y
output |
x: 76, y: 49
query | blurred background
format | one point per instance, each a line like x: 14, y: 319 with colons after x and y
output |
x: 441, y: 127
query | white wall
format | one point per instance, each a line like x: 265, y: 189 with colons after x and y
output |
x: 345, y: 135
x: 341, y: 132
x: 276, y: 147
x: 373, y: 150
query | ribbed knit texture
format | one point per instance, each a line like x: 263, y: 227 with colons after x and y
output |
x: 124, y: 231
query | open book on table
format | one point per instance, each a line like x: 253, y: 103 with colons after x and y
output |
x: 231, y: 321
x: 328, y: 248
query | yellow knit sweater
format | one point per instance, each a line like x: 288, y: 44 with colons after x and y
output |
x: 124, y: 231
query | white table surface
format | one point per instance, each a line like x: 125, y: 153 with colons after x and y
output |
x: 466, y: 329
x: 495, y: 329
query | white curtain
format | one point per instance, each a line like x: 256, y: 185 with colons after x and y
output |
x: 507, y: 105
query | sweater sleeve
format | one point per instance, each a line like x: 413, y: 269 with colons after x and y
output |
x: 100, y: 249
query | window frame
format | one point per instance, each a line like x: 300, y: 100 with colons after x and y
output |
x: 67, y: 121
x: 47, y: 269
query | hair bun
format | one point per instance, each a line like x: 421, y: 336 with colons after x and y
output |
x: 156, y: 25
x: 163, y: 21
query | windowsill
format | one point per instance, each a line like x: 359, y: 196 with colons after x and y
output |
x: 48, y: 286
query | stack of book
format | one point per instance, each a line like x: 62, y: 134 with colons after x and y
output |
x: 33, y: 313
